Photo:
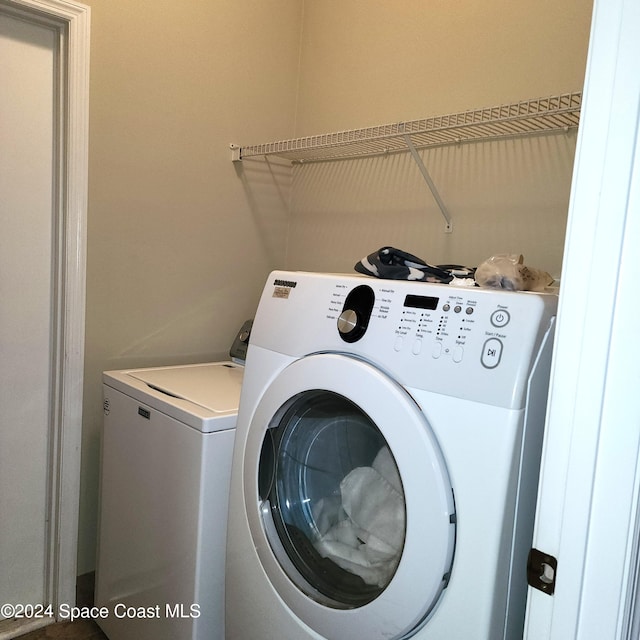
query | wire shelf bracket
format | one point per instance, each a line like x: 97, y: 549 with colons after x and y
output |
x: 432, y: 187
x: 528, y: 117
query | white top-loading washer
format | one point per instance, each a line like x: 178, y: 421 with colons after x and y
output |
x: 166, y: 459
x: 386, y: 460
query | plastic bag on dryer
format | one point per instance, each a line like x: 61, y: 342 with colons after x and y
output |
x: 507, y: 271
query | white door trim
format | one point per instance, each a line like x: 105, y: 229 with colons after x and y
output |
x: 71, y: 22
x: 588, y: 509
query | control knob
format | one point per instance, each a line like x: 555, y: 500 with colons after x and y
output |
x: 347, y: 322
x: 356, y: 313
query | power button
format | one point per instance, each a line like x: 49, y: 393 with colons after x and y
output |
x: 500, y: 318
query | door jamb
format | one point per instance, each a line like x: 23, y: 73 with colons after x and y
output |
x: 71, y: 22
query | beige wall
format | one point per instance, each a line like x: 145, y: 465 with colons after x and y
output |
x: 181, y: 239
x: 503, y: 197
x: 370, y: 62
x: 177, y: 255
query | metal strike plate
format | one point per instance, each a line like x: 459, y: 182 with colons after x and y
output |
x: 541, y: 571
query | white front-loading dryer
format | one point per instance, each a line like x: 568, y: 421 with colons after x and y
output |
x: 386, y: 460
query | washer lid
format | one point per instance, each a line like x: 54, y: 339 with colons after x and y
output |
x: 213, y: 386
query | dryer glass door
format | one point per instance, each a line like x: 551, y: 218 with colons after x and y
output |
x: 336, y: 498
x: 348, y: 499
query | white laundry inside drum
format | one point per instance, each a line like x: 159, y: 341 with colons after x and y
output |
x: 332, y: 501
x: 362, y: 530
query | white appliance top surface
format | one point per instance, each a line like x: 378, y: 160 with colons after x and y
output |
x: 214, y: 386
x: 203, y: 396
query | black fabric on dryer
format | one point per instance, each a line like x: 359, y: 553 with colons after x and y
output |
x: 393, y: 264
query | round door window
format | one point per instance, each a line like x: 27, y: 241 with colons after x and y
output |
x: 330, y: 487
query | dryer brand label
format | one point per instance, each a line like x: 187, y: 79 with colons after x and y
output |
x: 285, y: 283
x: 282, y: 288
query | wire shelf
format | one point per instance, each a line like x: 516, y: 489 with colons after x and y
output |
x: 553, y: 113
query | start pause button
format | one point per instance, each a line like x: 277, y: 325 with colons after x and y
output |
x: 491, y: 353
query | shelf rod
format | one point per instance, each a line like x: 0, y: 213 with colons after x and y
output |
x: 432, y: 187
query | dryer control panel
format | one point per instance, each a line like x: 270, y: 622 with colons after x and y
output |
x: 441, y: 324
x: 428, y: 336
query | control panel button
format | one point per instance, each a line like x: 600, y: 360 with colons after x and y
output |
x: 436, y: 352
x: 491, y: 353
x: 398, y: 343
x: 458, y: 352
x: 457, y: 308
x: 417, y: 347
x: 500, y: 318
x: 446, y: 306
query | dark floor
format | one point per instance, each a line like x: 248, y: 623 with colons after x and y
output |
x: 78, y: 629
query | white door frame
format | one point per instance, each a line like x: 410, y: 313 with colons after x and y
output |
x: 588, y: 507
x: 71, y: 22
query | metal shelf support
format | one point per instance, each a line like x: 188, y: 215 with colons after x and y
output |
x: 432, y: 187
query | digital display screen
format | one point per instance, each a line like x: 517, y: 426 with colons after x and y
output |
x: 421, y: 302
